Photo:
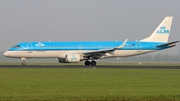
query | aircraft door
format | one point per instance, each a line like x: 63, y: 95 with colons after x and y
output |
x: 80, y: 47
x: 138, y: 46
x: 29, y: 47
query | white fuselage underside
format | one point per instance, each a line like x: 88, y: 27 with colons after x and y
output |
x: 61, y: 54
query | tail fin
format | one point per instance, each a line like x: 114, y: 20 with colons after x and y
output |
x: 161, y: 34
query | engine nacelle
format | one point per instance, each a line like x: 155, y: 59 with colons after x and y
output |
x: 70, y: 58
x: 73, y: 58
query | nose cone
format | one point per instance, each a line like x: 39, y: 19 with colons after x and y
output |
x: 6, y: 53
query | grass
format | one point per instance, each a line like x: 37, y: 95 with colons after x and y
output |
x: 54, y: 84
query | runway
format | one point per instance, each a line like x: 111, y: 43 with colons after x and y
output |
x: 98, y: 66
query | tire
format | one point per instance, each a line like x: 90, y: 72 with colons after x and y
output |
x: 93, y: 63
x: 87, y: 63
x: 23, y: 64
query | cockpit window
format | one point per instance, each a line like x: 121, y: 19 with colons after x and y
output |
x: 16, y: 46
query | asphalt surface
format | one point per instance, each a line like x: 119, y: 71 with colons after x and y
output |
x: 82, y: 66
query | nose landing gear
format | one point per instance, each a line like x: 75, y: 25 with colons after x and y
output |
x: 23, y: 61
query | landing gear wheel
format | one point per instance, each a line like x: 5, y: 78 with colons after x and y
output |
x: 23, y: 64
x: 87, y: 63
x: 93, y: 63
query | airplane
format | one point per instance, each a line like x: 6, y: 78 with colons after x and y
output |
x: 74, y: 52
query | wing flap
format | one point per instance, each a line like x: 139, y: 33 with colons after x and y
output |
x: 99, y: 51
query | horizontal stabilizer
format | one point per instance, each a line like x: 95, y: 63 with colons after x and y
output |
x: 168, y: 44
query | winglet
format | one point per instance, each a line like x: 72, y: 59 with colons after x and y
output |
x: 122, y: 45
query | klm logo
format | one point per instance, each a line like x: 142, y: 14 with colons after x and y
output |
x: 162, y: 30
x: 40, y: 44
x: 73, y: 57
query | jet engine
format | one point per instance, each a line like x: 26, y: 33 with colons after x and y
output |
x: 70, y: 58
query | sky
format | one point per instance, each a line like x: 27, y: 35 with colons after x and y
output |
x: 85, y: 20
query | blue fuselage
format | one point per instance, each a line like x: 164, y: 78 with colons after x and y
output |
x: 73, y: 46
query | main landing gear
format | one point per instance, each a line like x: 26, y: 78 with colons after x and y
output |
x: 88, y: 63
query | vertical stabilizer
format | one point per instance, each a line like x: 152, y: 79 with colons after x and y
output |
x: 161, y: 34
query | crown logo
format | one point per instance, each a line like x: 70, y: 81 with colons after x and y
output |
x: 163, y: 30
x: 162, y: 27
x: 40, y: 44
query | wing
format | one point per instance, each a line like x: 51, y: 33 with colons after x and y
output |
x: 99, y: 53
